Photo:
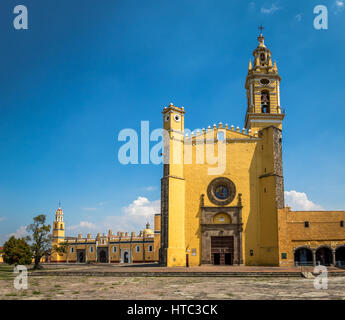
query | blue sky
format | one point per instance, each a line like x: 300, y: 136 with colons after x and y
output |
x: 84, y: 70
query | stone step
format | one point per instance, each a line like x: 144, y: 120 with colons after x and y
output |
x: 167, y: 274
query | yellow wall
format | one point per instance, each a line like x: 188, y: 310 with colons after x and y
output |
x: 252, y: 164
x: 324, y: 229
x: 248, y: 157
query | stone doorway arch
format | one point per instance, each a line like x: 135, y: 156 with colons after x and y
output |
x: 125, y: 257
x: 303, y: 257
x: 340, y: 256
x: 323, y: 256
x: 81, y: 256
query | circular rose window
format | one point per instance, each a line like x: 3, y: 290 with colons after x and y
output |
x: 221, y: 191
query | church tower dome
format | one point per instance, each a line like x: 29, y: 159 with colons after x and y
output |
x: 148, y: 231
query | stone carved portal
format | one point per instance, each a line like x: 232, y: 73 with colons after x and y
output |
x: 221, y: 243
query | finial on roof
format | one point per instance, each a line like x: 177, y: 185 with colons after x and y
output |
x: 261, y: 28
x: 261, y: 38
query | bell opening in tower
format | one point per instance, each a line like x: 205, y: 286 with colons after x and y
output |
x: 265, y: 101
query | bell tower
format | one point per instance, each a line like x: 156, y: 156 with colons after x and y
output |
x: 263, y: 90
x: 58, y: 227
x: 173, y: 251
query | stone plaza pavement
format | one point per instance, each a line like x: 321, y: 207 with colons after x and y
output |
x: 135, y: 282
x: 154, y: 269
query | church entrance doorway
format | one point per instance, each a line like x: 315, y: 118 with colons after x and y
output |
x: 103, y: 257
x: 221, y: 229
x: 228, y: 258
x: 125, y: 257
x: 216, y: 258
x: 81, y: 256
x: 222, y: 250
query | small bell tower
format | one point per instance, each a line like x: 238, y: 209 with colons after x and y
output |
x: 58, y: 226
x: 263, y: 90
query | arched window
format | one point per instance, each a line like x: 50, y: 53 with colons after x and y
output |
x: 265, y: 101
x: 61, y: 226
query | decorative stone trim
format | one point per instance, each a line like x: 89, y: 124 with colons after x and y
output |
x: 209, y: 229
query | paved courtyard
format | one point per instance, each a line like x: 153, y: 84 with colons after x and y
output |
x: 174, y: 287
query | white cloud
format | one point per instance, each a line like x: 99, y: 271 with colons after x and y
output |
x: 338, y: 6
x: 19, y: 233
x: 134, y: 218
x: 3, y: 218
x: 83, y: 226
x: 299, y: 201
x: 339, y: 3
x: 142, y: 208
x: 270, y: 10
x: 299, y: 17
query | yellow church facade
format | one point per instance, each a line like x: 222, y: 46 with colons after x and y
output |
x: 120, y: 248
x: 222, y: 196
x: 223, y: 189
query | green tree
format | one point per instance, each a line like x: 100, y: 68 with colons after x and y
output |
x: 60, y: 248
x: 40, y: 239
x: 17, y: 251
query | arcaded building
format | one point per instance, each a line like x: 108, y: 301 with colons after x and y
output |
x: 311, y: 237
x: 222, y: 190
x: 123, y: 247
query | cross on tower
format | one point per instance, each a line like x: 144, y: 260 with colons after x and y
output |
x: 261, y: 28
